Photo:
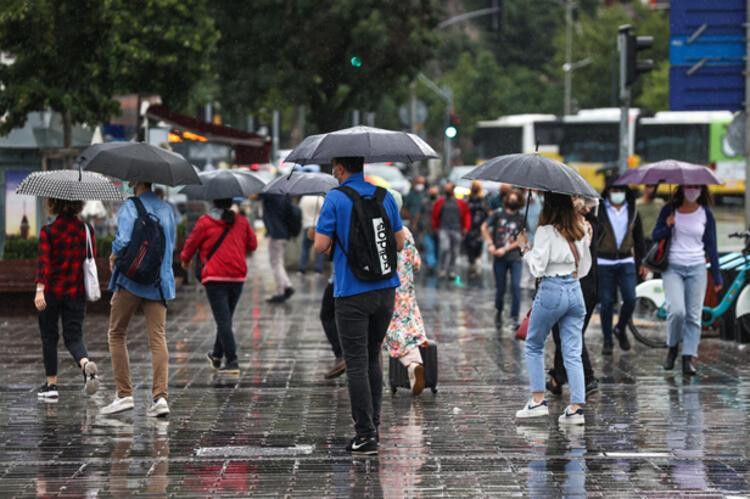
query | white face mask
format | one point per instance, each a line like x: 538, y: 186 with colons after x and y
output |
x: 692, y: 194
x: 419, y: 187
x: 617, y: 198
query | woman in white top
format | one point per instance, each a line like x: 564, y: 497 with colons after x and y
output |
x: 560, y: 257
x: 692, y: 228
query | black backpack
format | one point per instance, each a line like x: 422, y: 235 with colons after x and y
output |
x: 142, y: 258
x: 372, y: 244
x: 293, y: 219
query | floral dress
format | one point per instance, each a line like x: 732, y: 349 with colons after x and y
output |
x: 406, y: 330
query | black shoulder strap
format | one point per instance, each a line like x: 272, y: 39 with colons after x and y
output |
x: 380, y: 194
x: 351, y: 193
x: 217, y: 243
x: 139, y: 206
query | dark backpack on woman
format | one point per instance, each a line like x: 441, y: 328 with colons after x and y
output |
x: 372, y: 253
x: 142, y: 258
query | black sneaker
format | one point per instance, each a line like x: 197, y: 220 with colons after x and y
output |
x: 232, y: 368
x: 498, y: 320
x: 288, y: 292
x: 607, y: 347
x: 688, y: 368
x: 47, y: 392
x: 280, y: 298
x: 671, y: 357
x: 622, y: 339
x: 363, y: 445
x: 214, y: 361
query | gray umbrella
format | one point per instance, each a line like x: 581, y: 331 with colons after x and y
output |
x: 533, y: 171
x: 138, y: 162
x: 71, y: 185
x: 225, y: 184
x: 302, y: 184
x: 374, y: 144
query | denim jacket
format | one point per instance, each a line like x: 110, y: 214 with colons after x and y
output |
x: 662, y: 231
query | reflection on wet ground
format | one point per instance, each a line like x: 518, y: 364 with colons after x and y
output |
x: 279, y: 428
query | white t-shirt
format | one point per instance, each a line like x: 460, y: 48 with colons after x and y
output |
x: 686, y: 247
x: 310, y: 207
x: 551, y: 254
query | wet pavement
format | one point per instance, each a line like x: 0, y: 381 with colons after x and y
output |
x: 279, y: 429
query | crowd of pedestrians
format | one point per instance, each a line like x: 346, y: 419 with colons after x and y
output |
x: 578, y: 254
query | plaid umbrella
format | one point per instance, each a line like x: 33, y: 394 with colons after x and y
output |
x: 71, y: 185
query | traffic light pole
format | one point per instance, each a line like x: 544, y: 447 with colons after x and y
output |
x: 622, y: 163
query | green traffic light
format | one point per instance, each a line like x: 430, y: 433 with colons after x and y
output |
x: 356, y: 62
x: 451, y: 132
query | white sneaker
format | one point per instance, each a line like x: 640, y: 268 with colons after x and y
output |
x: 158, y: 409
x: 119, y: 404
x: 416, y: 378
x: 533, y: 410
x: 572, y: 417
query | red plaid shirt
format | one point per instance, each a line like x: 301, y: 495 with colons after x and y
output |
x: 62, y: 249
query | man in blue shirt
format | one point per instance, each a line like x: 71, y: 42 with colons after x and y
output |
x: 129, y: 296
x: 363, y: 308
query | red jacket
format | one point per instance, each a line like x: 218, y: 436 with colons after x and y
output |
x: 437, y: 210
x: 228, y: 262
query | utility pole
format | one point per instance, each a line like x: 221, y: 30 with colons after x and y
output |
x: 567, y: 107
x: 355, y: 117
x: 622, y: 42
x: 747, y: 112
x: 448, y: 141
x: 275, y: 135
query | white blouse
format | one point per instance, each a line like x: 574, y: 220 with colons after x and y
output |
x: 551, y: 255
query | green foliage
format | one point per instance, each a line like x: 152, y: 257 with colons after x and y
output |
x: 300, y: 52
x: 73, y: 57
x: 20, y: 249
x: 655, y: 94
x: 104, y: 246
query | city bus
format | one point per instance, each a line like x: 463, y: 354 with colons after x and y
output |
x: 695, y: 137
x: 515, y: 133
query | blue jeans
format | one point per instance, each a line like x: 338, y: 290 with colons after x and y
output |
x: 223, y: 297
x: 304, y: 256
x: 685, y: 289
x: 430, y: 251
x: 558, y: 300
x: 612, y: 277
x: 500, y: 267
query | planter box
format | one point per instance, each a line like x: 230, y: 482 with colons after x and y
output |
x: 17, y: 276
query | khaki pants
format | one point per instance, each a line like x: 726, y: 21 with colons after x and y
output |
x: 124, y: 306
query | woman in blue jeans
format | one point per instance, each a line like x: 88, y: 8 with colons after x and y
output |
x: 688, y: 221
x: 560, y: 257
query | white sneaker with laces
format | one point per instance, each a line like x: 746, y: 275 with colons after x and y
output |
x: 119, y: 404
x: 572, y: 417
x: 159, y: 408
x: 533, y: 410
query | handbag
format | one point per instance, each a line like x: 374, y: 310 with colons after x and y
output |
x: 90, y: 273
x: 657, y: 257
x: 198, y: 264
x: 523, y: 328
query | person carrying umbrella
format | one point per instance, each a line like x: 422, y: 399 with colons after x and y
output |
x: 451, y: 219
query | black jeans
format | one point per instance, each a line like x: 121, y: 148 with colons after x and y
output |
x: 223, y: 297
x: 328, y: 319
x: 72, y: 313
x: 363, y: 321
x: 558, y: 372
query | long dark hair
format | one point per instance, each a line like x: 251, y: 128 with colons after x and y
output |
x: 227, y: 215
x: 558, y: 211
x: 64, y: 207
x: 704, y: 199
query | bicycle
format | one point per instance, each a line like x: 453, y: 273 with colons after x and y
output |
x: 648, y: 324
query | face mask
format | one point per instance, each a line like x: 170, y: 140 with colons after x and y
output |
x: 419, y: 187
x: 433, y: 196
x: 513, y: 205
x: 617, y: 197
x: 692, y: 194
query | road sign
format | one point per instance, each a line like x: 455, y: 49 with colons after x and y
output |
x: 720, y: 17
x: 716, y: 50
x: 708, y: 88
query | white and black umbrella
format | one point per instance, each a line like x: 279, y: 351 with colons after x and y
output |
x: 225, y: 184
x: 138, y: 162
x: 70, y: 185
x: 376, y: 145
x: 302, y: 184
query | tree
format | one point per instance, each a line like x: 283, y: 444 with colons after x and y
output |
x: 304, y: 52
x: 655, y: 94
x: 73, y: 57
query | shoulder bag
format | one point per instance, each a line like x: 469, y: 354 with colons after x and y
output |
x: 90, y: 273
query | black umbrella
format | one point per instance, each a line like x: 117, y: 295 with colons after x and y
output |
x: 533, y: 171
x: 225, y: 184
x: 376, y: 145
x: 302, y: 184
x: 138, y: 162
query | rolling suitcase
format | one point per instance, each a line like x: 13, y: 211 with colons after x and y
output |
x: 399, y: 376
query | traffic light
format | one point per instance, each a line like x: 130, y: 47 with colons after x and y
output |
x: 451, y: 131
x: 355, y: 61
x: 633, y: 66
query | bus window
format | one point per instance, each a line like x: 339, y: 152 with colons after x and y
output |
x: 496, y: 141
x: 590, y: 142
x: 685, y: 142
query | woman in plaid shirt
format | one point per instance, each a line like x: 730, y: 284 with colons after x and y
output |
x: 60, y: 292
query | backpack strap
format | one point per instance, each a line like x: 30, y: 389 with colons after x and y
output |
x: 139, y: 207
x: 380, y: 194
x: 217, y: 244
